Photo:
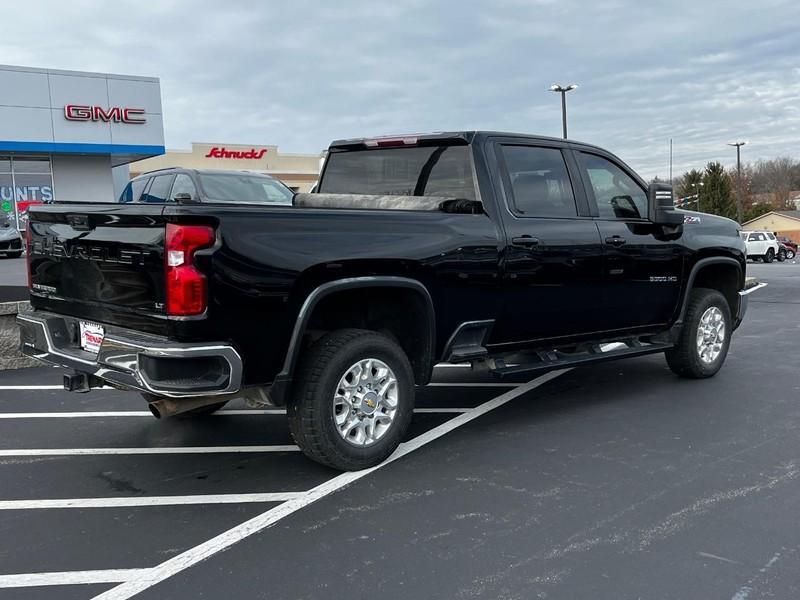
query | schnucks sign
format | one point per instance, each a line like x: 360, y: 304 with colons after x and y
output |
x: 221, y: 152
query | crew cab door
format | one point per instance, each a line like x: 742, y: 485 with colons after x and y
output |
x: 553, y: 258
x: 642, y: 267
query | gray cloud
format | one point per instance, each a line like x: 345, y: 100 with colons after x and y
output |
x: 300, y: 74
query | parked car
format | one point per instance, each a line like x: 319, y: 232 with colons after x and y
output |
x: 450, y: 247
x: 761, y: 245
x: 791, y: 246
x: 198, y: 185
x: 10, y: 238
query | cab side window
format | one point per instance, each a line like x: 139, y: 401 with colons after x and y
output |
x: 183, y: 185
x: 133, y: 190
x: 540, y: 184
x: 158, y: 190
x: 617, y: 195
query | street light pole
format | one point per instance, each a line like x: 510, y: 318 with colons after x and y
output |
x: 563, y: 91
x: 739, y: 207
x: 697, y: 187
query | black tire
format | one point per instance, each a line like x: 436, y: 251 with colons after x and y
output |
x: 684, y: 358
x: 781, y: 255
x: 310, y: 409
x: 790, y: 254
x: 770, y: 256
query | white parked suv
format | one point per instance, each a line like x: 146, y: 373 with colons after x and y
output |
x: 761, y: 244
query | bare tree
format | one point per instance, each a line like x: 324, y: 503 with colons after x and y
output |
x: 773, y: 180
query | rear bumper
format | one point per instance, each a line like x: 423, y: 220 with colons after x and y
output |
x: 133, y: 360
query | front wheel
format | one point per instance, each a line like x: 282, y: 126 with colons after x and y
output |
x: 770, y: 256
x: 790, y: 254
x: 781, y: 255
x: 704, y: 338
x: 353, y: 400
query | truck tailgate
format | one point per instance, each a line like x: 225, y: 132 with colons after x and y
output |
x: 99, y: 262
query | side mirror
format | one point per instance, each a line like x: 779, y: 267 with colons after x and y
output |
x: 661, y: 206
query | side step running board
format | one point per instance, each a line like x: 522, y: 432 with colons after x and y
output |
x: 554, y: 359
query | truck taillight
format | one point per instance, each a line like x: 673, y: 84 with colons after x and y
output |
x: 186, y: 287
x: 28, y: 246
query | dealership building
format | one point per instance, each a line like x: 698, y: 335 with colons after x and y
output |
x: 298, y: 171
x: 68, y: 135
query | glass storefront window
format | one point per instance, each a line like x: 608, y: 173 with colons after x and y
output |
x: 6, y: 198
x: 24, y: 181
x: 31, y: 165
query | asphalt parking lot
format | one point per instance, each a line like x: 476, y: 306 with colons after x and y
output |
x: 612, y: 481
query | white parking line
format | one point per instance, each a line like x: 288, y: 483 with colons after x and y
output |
x: 69, y: 578
x: 488, y: 385
x: 145, y: 413
x: 150, y: 577
x: 159, y: 450
x: 31, y: 387
x: 148, y: 501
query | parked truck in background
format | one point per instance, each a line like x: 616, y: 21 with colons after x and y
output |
x: 414, y: 250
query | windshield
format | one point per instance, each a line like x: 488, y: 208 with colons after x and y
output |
x: 418, y: 171
x: 243, y: 187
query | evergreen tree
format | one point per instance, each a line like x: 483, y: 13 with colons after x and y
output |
x: 716, y: 196
x: 684, y: 186
x: 756, y: 210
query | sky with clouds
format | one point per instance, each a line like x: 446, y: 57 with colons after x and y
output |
x: 299, y: 74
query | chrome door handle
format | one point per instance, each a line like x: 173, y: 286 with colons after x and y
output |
x: 615, y: 240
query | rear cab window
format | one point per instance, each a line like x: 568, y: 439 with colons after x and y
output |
x: 442, y: 171
x: 244, y: 188
x: 540, y: 183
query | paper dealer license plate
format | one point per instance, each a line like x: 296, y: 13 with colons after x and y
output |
x: 91, y: 336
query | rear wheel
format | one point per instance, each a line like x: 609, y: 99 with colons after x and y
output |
x: 770, y: 256
x: 790, y: 254
x: 353, y: 400
x: 705, y: 336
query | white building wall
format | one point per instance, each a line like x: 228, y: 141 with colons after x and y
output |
x: 121, y: 176
x: 83, y: 179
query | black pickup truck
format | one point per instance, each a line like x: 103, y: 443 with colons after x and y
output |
x: 414, y: 250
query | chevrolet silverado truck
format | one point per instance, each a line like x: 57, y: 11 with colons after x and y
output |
x: 464, y: 247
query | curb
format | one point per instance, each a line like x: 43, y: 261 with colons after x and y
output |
x: 10, y: 356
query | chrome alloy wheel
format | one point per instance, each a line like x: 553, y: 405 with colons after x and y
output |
x: 365, y: 402
x: 710, y: 334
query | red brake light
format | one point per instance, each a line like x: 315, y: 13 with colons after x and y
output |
x: 186, y: 287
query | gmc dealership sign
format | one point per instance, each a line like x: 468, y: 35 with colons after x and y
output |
x: 252, y: 154
x: 115, y: 114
